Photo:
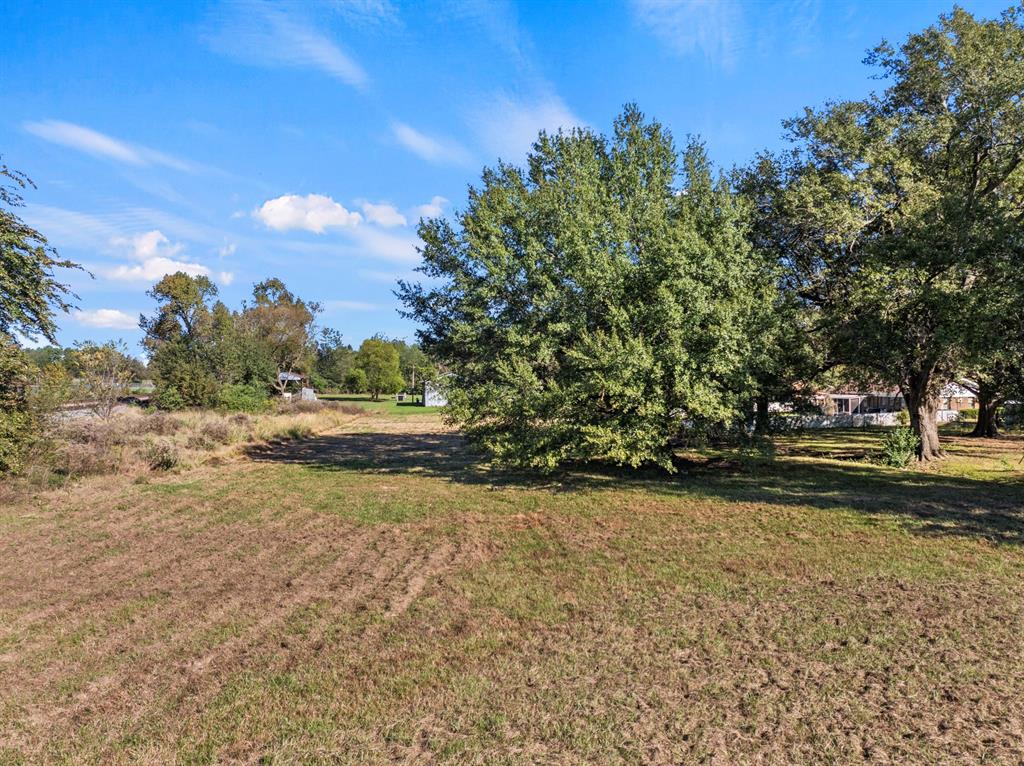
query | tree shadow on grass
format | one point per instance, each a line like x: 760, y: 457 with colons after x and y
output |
x: 935, y: 504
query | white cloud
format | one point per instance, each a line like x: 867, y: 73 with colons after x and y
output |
x: 101, y: 145
x: 711, y: 27
x: 314, y: 212
x: 227, y: 249
x: 268, y: 35
x: 156, y: 256
x: 114, y: 319
x: 508, y: 127
x: 148, y: 245
x: 383, y: 214
x: 432, y: 209
x: 441, y: 151
x: 351, y: 305
x: 152, y: 269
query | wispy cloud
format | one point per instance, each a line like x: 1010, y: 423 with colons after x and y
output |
x: 98, y: 144
x: 314, y: 212
x: 270, y: 35
x: 113, y: 319
x: 437, y: 150
x: 149, y: 244
x: 710, y: 27
x: 432, y: 209
x: 156, y: 256
x: 383, y: 214
x: 507, y: 127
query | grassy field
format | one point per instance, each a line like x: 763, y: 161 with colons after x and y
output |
x: 375, y: 595
x: 387, y: 405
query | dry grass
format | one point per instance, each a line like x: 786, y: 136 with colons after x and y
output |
x: 373, y: 595
x: 136, y: 441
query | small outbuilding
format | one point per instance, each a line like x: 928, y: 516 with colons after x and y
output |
x: 433, y: 395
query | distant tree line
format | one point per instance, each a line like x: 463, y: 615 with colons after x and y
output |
x: 200, y: 351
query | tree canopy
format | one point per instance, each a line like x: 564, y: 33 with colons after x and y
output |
x: 902, y: 211
x: 595, y: 304
x: 29, y: 291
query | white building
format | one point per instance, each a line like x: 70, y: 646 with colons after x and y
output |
x: 433, y: 396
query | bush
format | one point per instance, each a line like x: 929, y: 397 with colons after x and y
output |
x: 160, y: 423
x: 971, y: 413
x: 212, y: 434
x: 16, y: 433
x: 216, y: 431
x: 899, y: 447
x: 18, y: 421
x: 86, y: 458
x: 243, y: 397
x: 169, y: 399
x: 162, y: 456
x: 903, y: 417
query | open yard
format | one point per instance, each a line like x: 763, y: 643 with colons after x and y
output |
x: 375, y: 595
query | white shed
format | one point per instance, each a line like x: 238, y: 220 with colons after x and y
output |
x: 433, y: 396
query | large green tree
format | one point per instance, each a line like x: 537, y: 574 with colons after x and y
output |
x: 902, y: 205
x: 378, y: 360
x: 181, y: 340
x: 595, y: 305
x: 29, y: 290
x: 281, y: 324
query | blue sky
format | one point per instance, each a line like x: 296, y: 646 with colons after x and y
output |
x: 249, y: 139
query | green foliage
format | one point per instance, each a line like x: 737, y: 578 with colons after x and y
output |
x: 971, y: 413
x: 186, y: 349
x: 899, y: 446
x: 29, y: 292
x: 168, y: 398
x: 103, y: 374
x: 379, y: 362
x: 589, y: 308
x: 29, y: 398
x: 903, y: 418
x: 334, y: 360
x: 355, y: 381
x: 280, y: 325
x: 243, y: 397
x: 18, y: 423
x: 901, y: 212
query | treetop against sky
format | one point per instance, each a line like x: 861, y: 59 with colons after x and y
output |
x: 305, y: 141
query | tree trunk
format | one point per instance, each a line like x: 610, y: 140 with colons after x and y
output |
x: 988, y: 409
x: 762, y: 419
x: 923, y: 404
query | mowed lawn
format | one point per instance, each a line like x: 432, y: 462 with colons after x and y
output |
x: 375, y: 595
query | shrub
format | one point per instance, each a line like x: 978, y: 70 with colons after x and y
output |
x: 899, y: 447
x: 169, y: 399
x: 160, y: 423
x: 971, y: 413
x: 243, y: 397
x: 18, y: 421
x: 86, y: 458
x: 216, y: 431
x: 162, y: 456
x: 16, y: 431
x: 903, y: 417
